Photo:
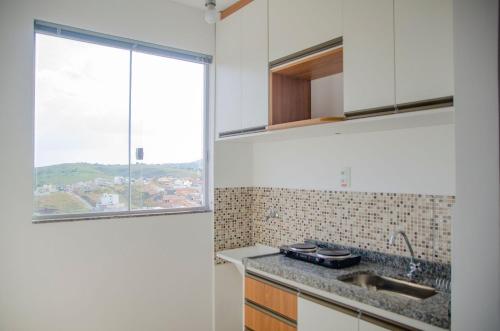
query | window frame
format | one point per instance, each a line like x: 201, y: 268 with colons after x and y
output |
x: 71, y: 33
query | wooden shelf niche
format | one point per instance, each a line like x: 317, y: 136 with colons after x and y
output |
x: 307, y: 91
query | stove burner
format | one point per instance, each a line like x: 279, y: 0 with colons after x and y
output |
x: 327, y: 257
x: 309, y: 248
x: 325, y: 252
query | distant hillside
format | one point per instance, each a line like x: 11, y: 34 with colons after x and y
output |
x: 70, y: 173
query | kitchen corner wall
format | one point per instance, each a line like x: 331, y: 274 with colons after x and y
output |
x: 401, y: 179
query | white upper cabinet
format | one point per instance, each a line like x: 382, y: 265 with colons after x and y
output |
x: 368, y: 54
x: 228, y: 75
x: 424, y: 49
x: 242, y: 69
x: 254, y: 68
x: 313, y: 316
x: 295, y: 25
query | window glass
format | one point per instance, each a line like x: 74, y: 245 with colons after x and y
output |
x: 116, y: 130
x: 167, y: 132
x: 81, y: 127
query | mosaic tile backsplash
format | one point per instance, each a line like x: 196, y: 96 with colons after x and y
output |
x: 360, y: 219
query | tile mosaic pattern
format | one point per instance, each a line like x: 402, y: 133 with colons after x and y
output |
x: 233, y: 218
x: 358, y: 219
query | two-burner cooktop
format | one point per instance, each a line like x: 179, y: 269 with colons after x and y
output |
x: 328, y: 257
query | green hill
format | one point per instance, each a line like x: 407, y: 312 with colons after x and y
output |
x: 70, y: 173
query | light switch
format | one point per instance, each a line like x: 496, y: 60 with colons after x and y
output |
x: 345, y: 177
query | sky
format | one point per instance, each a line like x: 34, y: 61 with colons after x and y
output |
x: 82, y: 105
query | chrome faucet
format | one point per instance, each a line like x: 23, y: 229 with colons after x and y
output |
x: 414, y: 267
x: 271, y: 213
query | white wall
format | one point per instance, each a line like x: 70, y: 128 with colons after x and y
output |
x: 419, y: 160
x: 96, y: 275
x: 233, y: 164
x: 476, y: 226
x: 232, y: 168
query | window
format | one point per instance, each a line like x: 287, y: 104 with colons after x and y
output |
x: 120, y: 126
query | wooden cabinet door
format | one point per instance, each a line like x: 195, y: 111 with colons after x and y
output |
x: 295, y: 25
x: 228, y: 74
x: 254, y: 65
x: 259, y: 320
x: 368, y: 54
x: 317, y: 317
x: 271, y: 297
x: 424, y: 49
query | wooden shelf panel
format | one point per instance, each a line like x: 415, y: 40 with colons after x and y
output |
x: 308, y: 122
x: 323, y: 64
x: 290, y: 99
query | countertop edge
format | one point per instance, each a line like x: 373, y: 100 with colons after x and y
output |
x: 237, y: 255
x: 349, y: 302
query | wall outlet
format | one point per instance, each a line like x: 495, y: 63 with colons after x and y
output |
x: 345, y: 177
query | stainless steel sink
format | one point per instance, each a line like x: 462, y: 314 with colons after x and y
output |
x: 389, y: 285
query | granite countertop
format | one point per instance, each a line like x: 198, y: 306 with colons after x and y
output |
x: 433, y: 310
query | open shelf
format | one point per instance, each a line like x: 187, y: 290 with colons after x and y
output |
x: 297, y: 90
x: 422, y: 118
x: 319, y: 65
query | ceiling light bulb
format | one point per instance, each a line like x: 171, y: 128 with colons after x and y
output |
x: 211, y: 13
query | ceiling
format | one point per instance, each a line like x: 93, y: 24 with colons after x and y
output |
x: 200, y: 4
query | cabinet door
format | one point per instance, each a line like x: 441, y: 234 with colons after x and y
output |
x: 254, y: 64
x: 368, y: 54
x: 295, y: 25
x: 259, y: 320
x: 317, y: 317
x: 367, y: 326
x: 266, y: 295
x: 228, y: 74
x: 424, y: 49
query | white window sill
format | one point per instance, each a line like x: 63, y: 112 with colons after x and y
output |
x: 118, y: 215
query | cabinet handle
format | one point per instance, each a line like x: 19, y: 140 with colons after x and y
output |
x: 271, y: 283
x: 306, y: 52
x: 242, y: 131
x: 270, y: 313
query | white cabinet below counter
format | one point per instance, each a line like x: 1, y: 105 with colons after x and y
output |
x: 242, y: 70
x: 313, y: 316
x: 316, y: 315
x: 367, y: 326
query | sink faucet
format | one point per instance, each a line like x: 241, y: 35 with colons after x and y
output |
x: 414, y: 267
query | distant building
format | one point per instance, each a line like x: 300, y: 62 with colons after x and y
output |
x: 45, y: 189
x: 100, y: 181
x: 119, y: 180
x: 182, y: 183
x: 110, y: 199
x: 164, y: 180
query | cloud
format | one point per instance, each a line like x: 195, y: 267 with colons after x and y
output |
x: 82, y: 109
